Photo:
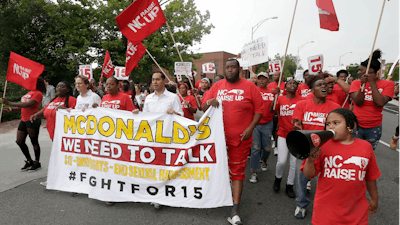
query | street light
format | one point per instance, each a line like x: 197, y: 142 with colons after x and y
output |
x: 259, y: 24
x: 342, y: 56
x: 299, y: 48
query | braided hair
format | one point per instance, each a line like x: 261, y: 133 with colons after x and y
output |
x: 348, y: 115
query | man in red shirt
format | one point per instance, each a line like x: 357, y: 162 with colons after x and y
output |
x: 303, y: 88
x: 243, y: 109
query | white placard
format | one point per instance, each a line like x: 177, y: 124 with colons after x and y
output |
x: 208, y: 68
x: 86, y: 70
x: 315, y: 64
x: 334, y: 69
x: 194, y: 73
x: 119, y: 73
x: 181, y: 67
x: 254, y: 52
x: 274, y: 66
x: 299, y: 75
x: 178, y: 77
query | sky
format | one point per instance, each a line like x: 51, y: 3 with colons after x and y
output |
x: 358, y: 21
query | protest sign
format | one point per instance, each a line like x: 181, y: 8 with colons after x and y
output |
x: 315, y: 64
x: 120, y: 74
x: 133, y: 54
x: 23, y: 71
x: 254, y: 52
x: 183, y: 69
x: 208, y: 68
x: 108, y: 67
x: 274, y: 66
x: 86, y: 70
x: 334, y: 69
x: 299, y: 75
x: 116, y: 156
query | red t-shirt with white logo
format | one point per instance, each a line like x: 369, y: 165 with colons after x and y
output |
x: 49, y: 112
x: 26, y: 113
x: 119, y: 101
x: 268, y: 98
x: 368, y: 114
x: 303, y: 90
x: 185, y: 108
x: 273, y: 85
x: 285, y: 108
x: 313, y: 115
x: 340, y: 196
x: 240, y: 102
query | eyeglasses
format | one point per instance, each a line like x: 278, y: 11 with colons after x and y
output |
x: 80, y: 83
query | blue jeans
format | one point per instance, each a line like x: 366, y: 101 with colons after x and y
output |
x: 301, y: 187
x: 372, y: 135
x: 261, y: 141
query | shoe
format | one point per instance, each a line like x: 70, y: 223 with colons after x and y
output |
x: 309, y: 186
x: 275, y: 151
x: 155, y: 205
x: 289, y: 191
x: 36, y: 165
x: 28, y: 165
x: 300, y: 213
x: 44, y: 183
x: 277, y: 184
x: 264, y: 166
x: 235, y: 220
x: 393, y: 143
x: 253, y: 178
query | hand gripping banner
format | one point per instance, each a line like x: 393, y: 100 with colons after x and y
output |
x: 117, y: 156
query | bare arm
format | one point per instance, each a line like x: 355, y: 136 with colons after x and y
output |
x: 345, y: 86
x: 379, y: 99
x: 373, y: 192
x: 249, y: 130
x: 28, y: 104
x: 309, y: 167
x: 36, y: 115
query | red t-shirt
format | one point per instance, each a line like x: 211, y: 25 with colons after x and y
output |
x: 285, y: 107
x: 119, y: 101
x: 337, y: 96
x: 268, y: 98
x: 240, y: 102
x: 368, y: 114
x: 340, y: 196
x: 303, y: 90
x: 185, y: 108
x: 129, y: 93
x: 273, y: 85
x: 26, y: 113
x: 198, y: 85
x: 313, y: 115
x: 49, y: 112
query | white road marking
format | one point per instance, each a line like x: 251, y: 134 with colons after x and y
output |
x: 386, y: 144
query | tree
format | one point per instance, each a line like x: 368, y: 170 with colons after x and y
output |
x: 395, y: 73
x: 353, y: 69
x: 289, y: 68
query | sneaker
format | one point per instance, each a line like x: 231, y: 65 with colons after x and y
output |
x: 309, y: 186
x: 155, y: 205
x: 28, y: 165
x: 36, y: 165
x: 289, y: 191
x: 275, y: 151
x: 253, y: 178
x: 277, y: 184
x: 300, y: 213
x: 393, y: 143
x: 264, y: 166
x: 235, y: 220
x: 44, y: 183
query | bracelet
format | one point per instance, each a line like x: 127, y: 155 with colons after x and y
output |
x: 207, y: 102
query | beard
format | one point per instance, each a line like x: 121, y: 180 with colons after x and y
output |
x: 233, y: 79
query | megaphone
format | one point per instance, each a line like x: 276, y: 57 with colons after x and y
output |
x: 303, y: 143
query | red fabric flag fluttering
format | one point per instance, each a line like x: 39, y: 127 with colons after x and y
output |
x: 133, y: 54
x: 108, y: 67
x: 327, y: 15
x: 23, y: 71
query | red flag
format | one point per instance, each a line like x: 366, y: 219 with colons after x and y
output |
x: 140, y: 19
x: 327, y: 15
x: 133, y: 54
x: 108, y: 68
x: 23, y: 71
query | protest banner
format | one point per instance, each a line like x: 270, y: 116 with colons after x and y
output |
x: 116, y: 156
x: 183, y: 69
x: 315, y: 64
x: 86, y: 70
x: 120, y: 74
x: 299, y: 75
x: 108, y: 67
x: 274, y: 66
x: 133, y: 54
x: 254, y: 52
x: 208, y: 68
x: 140, y: 19
x: 327, y: 15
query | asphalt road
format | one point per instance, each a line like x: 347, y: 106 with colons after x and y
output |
x: 24, y: 201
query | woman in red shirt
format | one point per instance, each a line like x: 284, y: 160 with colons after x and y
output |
x: 189, y: 105
x: 29, y: 105
x: 63, y: 100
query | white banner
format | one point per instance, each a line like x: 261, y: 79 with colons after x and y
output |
x: 208, y: 68
x: 334, y: 69
x: 315, y: 64
x: 299, y: 75
x: 119, y: 73
x: 86, y: 70
x: 254, y: 52
x: 117, y: 156
x: 274, y: 66
x: 180, y: 69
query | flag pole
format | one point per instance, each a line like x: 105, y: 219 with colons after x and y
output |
x: 373, y: 46
x: 284, y: 59
x: 173, y: 39
x: 4, y: 95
